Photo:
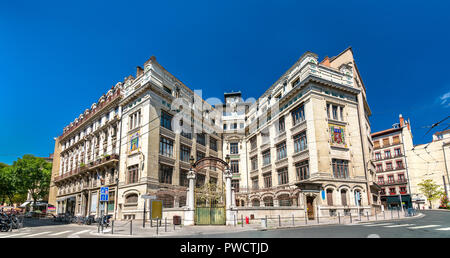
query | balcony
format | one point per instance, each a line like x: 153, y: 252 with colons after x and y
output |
x: 393, y: 182
x: 106, y: 160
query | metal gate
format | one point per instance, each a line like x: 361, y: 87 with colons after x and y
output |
x: 210, y: 205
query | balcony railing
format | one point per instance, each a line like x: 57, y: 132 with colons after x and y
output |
x: 393, y: 182
x: 82, y: 168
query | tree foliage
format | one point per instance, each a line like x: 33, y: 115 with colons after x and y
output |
x: 28, y: 174
x: 431, y: 190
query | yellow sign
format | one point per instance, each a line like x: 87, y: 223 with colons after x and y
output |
x: 156, y: 208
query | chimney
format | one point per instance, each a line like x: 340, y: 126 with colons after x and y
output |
x: 326, y: 61
x: 402, y: 121
x: 139, y: 71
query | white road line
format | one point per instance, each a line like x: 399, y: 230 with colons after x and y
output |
x: 363, y: 224
x: 382, y: 224
x: 400, y: 225
x: 443, y: 229
x: 80, y: 232
x: 60, y: 233
x: 14, y: 235
x: 426, y: 226
x: 37, y: 234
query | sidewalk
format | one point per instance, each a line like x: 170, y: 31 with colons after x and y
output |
x: 135, y: 229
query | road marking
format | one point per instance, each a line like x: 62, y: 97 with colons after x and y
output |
x: 443, y: 229
x: 37, y: 234
x: 60, y: 233
x: 75, y: 235
x: 367, y: 223
x: 382, y: 224
x: 373, y: 236
x: 426, y: 226
x: 14, y: 235
x: 400, y: 225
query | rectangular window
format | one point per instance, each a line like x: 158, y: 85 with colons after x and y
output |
x: 253, y: 142
x: 185, y: 153
x: 387, y: 154
x: 281, y: 151
x: 340, y: 168
x: 234, y: 148
x: 281, y: 125
x: 399, y: 164
x: 200, y: 155
x: 403, y: 189
x: 395, y: 140
x: 200, y: 181
x: 300, y: 142
x: 379, y: 168
x: 134, y: 120
x: 132, y: 174
x: 283, y: 176
x: 255, y: 185
x: 213, y: 144
x: 385, y: 142
x: 397, y: 152
x: 234, y: 166
x: 235, y: 184
x: 302, y: 170
x: 266, y: 157
x: 254, y: 162
x: 298, y: 115
x: 389, y: 166
x: 166, y: 147
x: 390, y: 179
x: 378, y: 156
x: 166, y: 120
x: 201, y: 139
x: 392, y: 191
x: 381, y: 180
x: 335, y: 112
x: 183, y: 178
x: 267, y: 180
x: 401, y: 178
x: 165, y: 174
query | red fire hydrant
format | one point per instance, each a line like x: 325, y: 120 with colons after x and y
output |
x: 246, y: 220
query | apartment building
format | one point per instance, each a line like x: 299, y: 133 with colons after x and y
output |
x: 391, y: 164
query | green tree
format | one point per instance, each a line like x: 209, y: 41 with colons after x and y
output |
x: 33, y: 177
x: 431, y: 190
x: 8, y: 182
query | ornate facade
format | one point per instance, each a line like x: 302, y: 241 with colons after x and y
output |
x: 304, y: 145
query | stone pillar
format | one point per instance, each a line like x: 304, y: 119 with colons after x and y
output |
x: 230, y: 213
x: 233, y: 197
x: 190, y: 212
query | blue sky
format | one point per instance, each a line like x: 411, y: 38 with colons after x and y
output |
x: 58, y: 58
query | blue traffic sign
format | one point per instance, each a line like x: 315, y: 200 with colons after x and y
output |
x: 104, y: 194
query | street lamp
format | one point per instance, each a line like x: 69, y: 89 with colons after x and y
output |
x: 227, y: 159
x: 192, y: 161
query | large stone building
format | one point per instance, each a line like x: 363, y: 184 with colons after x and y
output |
x: 303, y: 147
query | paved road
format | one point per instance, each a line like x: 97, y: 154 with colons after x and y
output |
x: 435, y: 224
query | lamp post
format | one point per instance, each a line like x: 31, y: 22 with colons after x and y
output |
x: 228, y: 175
x: 189, y: 213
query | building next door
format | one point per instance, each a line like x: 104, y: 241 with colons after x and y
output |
x: 310, y: 207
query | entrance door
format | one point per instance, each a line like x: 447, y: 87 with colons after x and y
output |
x: 310, y: 207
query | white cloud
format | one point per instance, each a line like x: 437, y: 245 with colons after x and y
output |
x: 445, y: 99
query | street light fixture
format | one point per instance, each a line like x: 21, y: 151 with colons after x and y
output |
x: 192, y: 161
x: 227, y: 159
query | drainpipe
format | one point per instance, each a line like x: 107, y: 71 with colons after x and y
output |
x: 118, y: 167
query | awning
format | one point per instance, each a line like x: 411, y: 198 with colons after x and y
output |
x: 23, y: 205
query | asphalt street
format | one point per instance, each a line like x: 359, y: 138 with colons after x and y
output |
x: 434, y: 224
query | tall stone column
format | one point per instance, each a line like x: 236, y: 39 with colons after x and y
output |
x: 230, y: 213
x: 190, y: 212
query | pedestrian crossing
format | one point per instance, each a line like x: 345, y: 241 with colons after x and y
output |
x: 408, y: 226
x: 47, y: 234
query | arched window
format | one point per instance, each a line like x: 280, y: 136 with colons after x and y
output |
x: 255, y: 203
x: 284, y: 200
x: 268, y: 201
x: 358, y: 197
x: 344, y: 197
x: 330, y: 197
x: 131, y: 199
